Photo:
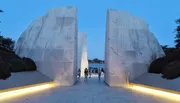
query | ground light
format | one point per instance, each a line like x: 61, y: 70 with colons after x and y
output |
x: 20, y: 91
x: 166, y: 94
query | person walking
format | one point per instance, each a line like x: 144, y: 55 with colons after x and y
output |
x: 102, y: 70
x: 99, y: 73
x: 86, y: 73
x: 79, y: 73
x: 90, y: 72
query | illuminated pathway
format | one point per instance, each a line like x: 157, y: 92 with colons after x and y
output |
x: 88, y: 92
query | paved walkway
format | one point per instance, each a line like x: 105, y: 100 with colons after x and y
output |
x: 91, y: 91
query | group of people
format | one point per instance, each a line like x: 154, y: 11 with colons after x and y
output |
x: 88, y: 72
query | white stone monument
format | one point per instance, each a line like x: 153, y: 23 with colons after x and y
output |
x: 51, y: 41
x: 130, y: 47
x: 82, y: 52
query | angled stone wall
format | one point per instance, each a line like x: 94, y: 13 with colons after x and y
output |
x: 129, y: 48
x: 51, y: 41
x: 82, y: 52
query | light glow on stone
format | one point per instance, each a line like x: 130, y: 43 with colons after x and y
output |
x: 20, y: 91
x: 156, y: 92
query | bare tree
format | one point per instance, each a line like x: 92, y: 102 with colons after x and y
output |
x: 0, y: 12
x: 177, y: 40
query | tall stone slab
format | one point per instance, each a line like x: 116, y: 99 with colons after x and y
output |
x: 82, y: 52
x: 129, y: 48
x: 51, y: 41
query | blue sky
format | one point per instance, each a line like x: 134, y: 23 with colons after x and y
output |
x: 159, y: 14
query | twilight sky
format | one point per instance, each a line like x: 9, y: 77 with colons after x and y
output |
x: 159, y: 14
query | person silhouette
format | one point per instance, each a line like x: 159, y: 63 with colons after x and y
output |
x: 79, y: 73
x: 86, y: 73
x: 99, y: 73
x: 90, y: 72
